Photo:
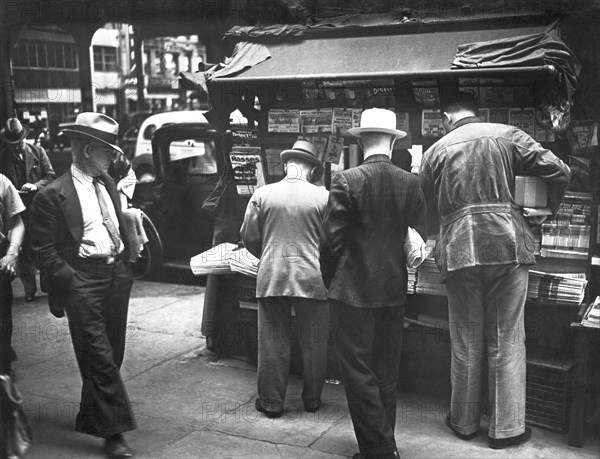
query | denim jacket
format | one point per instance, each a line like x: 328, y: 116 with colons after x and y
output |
x: 471, y: 172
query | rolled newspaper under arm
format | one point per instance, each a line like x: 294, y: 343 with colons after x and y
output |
x: 414, y: 248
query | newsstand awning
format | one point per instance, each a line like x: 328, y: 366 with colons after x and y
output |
x: 420, y: 54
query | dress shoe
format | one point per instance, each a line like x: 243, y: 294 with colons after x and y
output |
x: 501, y: 443
x: 467, y: 437
x: 311, y: 407
x: 270, y: 414
x: 29, y: 297
x: 116, y: 448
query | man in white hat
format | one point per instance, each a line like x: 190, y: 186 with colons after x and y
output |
x: 281, y: 227
x: 28, y: 168
x: 78, y: 235
x: 363, y: 264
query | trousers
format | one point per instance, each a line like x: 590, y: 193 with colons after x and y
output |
x: 96, y: 308
x: 276, y: 332
x: 369, y: 344
x: 6, y: 323
x: 486, y: 312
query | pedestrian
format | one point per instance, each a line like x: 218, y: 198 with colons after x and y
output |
x: 78, y: 234
x: 29, y: 169
x: 484, y: 250
x: 12, y: 231
x: 281, y: 227
x: 363, y: 264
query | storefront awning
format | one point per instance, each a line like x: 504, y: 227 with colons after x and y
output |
x: 382, y: 56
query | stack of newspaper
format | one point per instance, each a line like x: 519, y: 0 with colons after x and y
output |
x: 556, y: 288
x: 244, y: 262
x: 224, y: 258
x: 429, y: 278
x: 591, y: 318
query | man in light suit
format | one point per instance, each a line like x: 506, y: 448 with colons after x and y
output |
x: 281, y: 227
x: 79, y: 239
x: 364, y: 267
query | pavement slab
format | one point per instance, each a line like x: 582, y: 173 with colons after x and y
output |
x: 189, y: 403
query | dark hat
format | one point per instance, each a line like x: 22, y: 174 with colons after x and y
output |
x: 96, y: 126
x: 305, y: 150
x: 13, y: 131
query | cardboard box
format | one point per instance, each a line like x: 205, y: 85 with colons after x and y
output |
x: 530, y: 191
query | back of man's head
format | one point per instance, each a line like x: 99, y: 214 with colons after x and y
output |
x: 462, y: 102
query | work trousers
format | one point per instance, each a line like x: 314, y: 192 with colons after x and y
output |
x: 97, y: 307
x: 276, y: 332
x: 369, y: 343
x: 486, y: 313
x: 6, y: 323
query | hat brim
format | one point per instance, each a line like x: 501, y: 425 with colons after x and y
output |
x: 287, y: 154
x: 356, y: 132
x: 85, y: 135
x: 22, y: 136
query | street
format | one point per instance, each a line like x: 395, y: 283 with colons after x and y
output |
x: 189, y: 403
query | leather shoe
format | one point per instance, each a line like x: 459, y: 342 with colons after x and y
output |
x: 270, y: 414
x: 467, y: 437
x: 116, y: 448
x: 312, y: 407
x: 29, y: 297
x: 501, y: 443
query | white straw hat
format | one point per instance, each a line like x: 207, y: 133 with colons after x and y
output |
x: 378, y: 120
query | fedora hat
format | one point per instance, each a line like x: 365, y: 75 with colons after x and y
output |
x: 96, y: 126
x: 378, y: 120
x: 13, y: 131
x: 305, y: 150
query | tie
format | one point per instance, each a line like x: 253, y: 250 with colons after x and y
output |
x: 106, y: 220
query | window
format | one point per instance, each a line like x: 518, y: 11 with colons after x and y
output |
x: 105, y: 58
x: 147, y: 134
x: 194, y: 156
x: 44, y: 55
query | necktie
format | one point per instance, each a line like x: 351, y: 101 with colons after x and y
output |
x: 106, y: 220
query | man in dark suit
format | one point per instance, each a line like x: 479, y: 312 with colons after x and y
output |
x: 78, y: 235
x: 29, y: 169
x: 363, y: 264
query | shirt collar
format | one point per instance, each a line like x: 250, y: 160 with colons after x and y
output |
x: 80, y: 175
x: 377, y: 158
x: 466, y: 120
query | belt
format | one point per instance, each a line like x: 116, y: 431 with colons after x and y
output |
x: 107, y: 260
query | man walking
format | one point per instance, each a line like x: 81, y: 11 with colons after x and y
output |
x: 29, y: 169
x: 364, y: 266
x: 483, y: 251
x: 281, y: 227
x: 78, y: 234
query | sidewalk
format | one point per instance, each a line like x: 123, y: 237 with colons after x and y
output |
x: 189, y: 404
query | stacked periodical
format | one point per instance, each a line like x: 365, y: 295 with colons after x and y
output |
x: 568, y: 234
x: 591, y: 318
x: 556, y: 288
x: 429, y: 278
x: 224, y: 258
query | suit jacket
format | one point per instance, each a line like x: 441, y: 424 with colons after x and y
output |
x: 362, y: 256
x: 38, y: 169
x: 57, y: 231
x: 281, y: 227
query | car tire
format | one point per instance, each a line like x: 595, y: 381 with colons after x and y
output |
x: 149, y: 265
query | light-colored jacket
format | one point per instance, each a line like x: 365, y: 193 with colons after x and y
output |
x: 282, y: 226
x: 471, y: 172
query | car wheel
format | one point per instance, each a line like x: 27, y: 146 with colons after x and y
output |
x: 149, y: 264
x: 145, y: 174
